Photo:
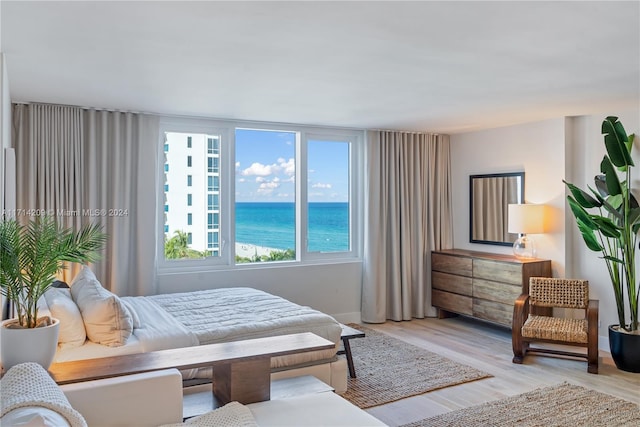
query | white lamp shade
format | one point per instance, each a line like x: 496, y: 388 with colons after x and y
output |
x: 526, y: 219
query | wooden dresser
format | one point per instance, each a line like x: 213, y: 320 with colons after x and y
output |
x: 480, y: 284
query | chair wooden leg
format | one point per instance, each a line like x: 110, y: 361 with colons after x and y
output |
x: 592, y: 337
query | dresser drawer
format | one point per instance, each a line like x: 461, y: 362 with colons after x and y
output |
x: 452, y: 283
x: 493, y: 311
x: 498, y: 271
x: 495, y: 291
x: 461, y: 266
x: 452, y: 302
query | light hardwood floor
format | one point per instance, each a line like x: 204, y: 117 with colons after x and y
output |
x: 488, y: 348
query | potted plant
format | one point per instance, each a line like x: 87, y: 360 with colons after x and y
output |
x: 30, y: 257
x: 609, y: 220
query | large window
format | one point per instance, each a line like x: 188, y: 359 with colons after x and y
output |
x: 328, y: 201
x: 186, y: 178
x: 258, y: 195
x: 265, y: 208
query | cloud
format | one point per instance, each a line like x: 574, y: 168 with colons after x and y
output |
x: 320, y: 185
x: 258, y: 169
x: 241, y: 180
x: 267, y: 185
x: 260, y: 179
x: 287, y: 166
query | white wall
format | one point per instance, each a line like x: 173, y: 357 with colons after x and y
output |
x: 548, y: 152
x: 537, y: 149
x: 331, y: 288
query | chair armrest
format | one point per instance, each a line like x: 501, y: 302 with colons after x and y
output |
x: 520, y: 312
x: 148, y: 399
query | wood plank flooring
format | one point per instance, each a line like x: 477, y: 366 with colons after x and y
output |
x: 488, y: 348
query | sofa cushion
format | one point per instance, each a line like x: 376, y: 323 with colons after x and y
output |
x: 106, y: 320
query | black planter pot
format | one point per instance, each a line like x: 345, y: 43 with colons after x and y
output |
x: 625, y: 349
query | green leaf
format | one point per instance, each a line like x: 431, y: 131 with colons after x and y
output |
x: 611, y: 176
x: 582, y: 197
x: 582, y: 216
x: 589, y: 237
x: 601, y: 185
x: 607, y: 227
x: 615, y: 139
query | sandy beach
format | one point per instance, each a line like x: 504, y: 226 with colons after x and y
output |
x: 246, y: 250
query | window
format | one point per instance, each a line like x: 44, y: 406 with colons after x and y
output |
x: 166, y: 208
x: 213, y: 220
x: 185, y: 226
x: 166, y: 167
x: 213, y: 164
x: 166, y: 148
x: 265, y: 194
x: 286, y: 194
x: 328, y: 196
x: 213, y: 146
x: 213, y: 202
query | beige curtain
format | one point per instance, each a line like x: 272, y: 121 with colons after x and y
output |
x: 86, y: 166
x: 408, y: 214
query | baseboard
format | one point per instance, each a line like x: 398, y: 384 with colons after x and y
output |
x: 348, y: 317
x: 603, y: 343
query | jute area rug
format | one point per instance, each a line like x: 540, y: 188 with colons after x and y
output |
x: 563, y: 405
x: 388, y: 369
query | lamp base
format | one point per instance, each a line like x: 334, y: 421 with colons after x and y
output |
x: 524, y: 248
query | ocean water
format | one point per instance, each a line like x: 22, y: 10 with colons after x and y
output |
x: 273, y: 225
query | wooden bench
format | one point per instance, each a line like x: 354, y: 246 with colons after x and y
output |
x: 241, y: 369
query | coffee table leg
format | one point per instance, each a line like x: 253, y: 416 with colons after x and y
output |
x: 347, y: 352
x: 245, y: 382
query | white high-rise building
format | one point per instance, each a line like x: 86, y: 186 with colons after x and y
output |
x: 192, y: 189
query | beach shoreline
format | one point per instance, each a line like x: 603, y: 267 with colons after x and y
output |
x: 247, y: 250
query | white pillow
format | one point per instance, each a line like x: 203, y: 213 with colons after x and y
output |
x: 106, y: 320
x: 72, y: 333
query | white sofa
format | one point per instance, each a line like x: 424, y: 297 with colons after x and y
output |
x: 155, y: 398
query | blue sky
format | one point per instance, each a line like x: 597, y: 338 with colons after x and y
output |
x: 265, y: 168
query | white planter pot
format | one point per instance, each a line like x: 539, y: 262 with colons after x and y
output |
x: 28, y: 345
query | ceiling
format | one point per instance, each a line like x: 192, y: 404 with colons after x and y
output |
x: 445, y: 67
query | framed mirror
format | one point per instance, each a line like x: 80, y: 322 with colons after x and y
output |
x: 490, y: 196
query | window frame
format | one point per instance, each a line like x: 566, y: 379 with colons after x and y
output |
x: 226, y: 225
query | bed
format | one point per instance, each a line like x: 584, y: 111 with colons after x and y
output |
x: 127, y: 325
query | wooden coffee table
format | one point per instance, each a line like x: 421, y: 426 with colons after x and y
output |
x: 241, y: 369
x: 347, y: 334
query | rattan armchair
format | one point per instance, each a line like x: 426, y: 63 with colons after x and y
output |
x: 529, y: 326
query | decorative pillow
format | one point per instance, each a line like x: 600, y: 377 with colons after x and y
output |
x: 106, y: 320
x: 62, y: 307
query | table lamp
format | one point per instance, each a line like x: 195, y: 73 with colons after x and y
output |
x: 525, y: 219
